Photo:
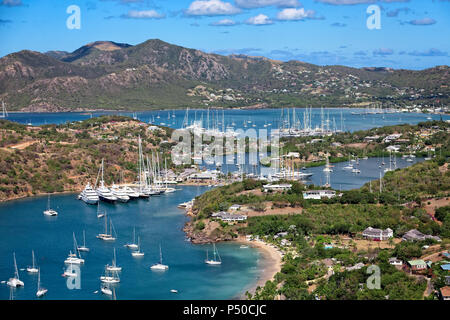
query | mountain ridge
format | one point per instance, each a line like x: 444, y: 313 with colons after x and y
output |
x: 157, y: 74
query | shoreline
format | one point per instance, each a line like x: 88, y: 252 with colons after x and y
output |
x: 271, y: 265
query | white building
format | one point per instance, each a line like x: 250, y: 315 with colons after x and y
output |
x: 319, y: 194
x: 377, y: 234
x: 277, y: 187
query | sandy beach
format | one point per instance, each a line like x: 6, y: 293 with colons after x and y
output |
x: 270, y: 267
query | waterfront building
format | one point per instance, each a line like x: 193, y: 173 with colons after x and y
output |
x: 319, y: 194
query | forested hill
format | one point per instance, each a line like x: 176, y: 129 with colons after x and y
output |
x: 156, y: 74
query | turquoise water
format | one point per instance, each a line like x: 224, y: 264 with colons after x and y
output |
x: 260, y: 117
x: 23, y: 227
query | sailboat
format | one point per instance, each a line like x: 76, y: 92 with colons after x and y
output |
x: 159, y: 266
x: 15, y: 282
x: 83, y: 247
x: 107, y: 236
x: 49, y: 211
x: 133, y: 245
x: 99, y: 215
x: 40, y: 291
x: 327, y: 166
x: 74, y: 258
x: 33, y: 268
x: 213, y: 261
x: 138, y: 253
x: 349, y: 166
x: 114, y: 266
x: 110, y: 277
x: 4, y: 112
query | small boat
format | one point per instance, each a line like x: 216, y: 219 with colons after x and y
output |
x: 40, y: 291
x: 174, y: 291
x: 83, y: 248
x: 15, y: 282
x: 356, y: 171
x: 33, y: 268
x: 106, y: 290
x: 133, y: 245
x: 213, y: 261
x: 159, y: 266
x: 114, y: 266
x: 243, y: 246
x: 50, y: 212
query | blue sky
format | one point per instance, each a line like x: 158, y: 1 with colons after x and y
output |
x: 414, y: 34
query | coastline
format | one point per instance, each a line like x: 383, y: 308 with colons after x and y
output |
x: 271, y: 265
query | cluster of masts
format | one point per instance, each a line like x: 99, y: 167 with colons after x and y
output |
x: 214, y: 125
x: 291, y: 125
x: 111, y: 271
x: 150, y: 182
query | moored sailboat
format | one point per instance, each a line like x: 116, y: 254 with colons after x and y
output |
x: 40, y: 291
x: 15, y: 282
x: 159, y: 266
x: 33, y: 268
x: 213, y: 261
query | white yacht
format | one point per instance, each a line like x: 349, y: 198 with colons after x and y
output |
x: 49, y: 211
x: 213, y: 261
x: 356, y: 170
x: 103, y: 192
x: 119, y: 193
x: 15, y: 282
x: 33, y: 268
x: 133, y: 245
x: 89, y: 195
x: 130, y: 192
x: 114, y: 266
x: 40, y: 291
x: 159, y: 266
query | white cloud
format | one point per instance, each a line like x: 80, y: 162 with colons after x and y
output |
x: 224, y: 23
x: 293, y: 14
x: 353, y: 2
x: 145, y: 14
x: 211, y: 8
x: 250, y: 4
x: 259, y: 20
x: 11, y: 3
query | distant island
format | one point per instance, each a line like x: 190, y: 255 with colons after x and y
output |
x: 105, y: 75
